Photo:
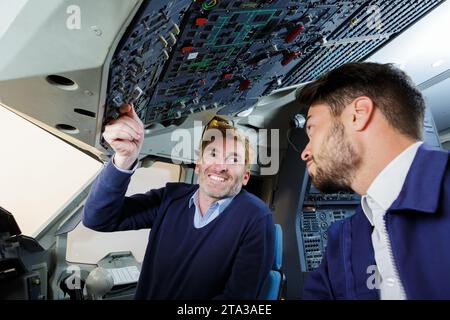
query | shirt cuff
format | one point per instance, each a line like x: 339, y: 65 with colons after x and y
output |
x: 132, y: 170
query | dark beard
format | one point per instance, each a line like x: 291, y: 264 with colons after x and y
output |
x: 328, y: 184
x: 338, y: 162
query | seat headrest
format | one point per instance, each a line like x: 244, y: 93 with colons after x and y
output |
x: 278, y: 247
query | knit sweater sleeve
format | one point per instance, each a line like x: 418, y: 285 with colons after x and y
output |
x: 107, y: 209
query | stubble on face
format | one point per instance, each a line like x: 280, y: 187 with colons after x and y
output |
x: 336, y: 162
x: 219, y: 179
x: 230, y: 187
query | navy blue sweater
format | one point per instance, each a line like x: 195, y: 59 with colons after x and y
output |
x: 227, y: 259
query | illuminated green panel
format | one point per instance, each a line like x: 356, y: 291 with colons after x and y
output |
x: 222, y: 64
x: 200, y: 64
x: 248, y: 26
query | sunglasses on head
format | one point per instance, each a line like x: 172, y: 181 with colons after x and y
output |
x: 217, y: 122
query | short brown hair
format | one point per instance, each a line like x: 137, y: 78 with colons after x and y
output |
x: 391, y: 90
x: 227, y: 130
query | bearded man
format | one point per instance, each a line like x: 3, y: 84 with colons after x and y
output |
x: 365, y: 125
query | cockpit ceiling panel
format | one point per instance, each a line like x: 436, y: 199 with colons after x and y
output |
x: 181, y: 57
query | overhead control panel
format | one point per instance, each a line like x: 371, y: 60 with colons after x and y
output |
x: 181, y: 57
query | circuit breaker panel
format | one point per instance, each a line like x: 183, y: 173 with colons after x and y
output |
x: 177, y: 58
x: 318, y: 213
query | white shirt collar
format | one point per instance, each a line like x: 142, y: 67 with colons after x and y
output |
x: 386, y: 187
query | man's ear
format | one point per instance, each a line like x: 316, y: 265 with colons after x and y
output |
x: 197, y: 168
x: 362, y: 109
x: 246, y: 177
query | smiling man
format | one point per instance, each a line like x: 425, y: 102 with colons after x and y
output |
x: 213, y: 240
x: 365, y: 128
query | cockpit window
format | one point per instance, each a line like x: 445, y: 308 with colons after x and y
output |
x: 39, y: 172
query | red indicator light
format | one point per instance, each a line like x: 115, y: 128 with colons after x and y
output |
x: 245, y: 84
x: 187, y: 49
x: 200, y: 21
x: 294, y: 33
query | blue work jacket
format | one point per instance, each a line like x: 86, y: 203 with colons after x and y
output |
x: 418, y: 226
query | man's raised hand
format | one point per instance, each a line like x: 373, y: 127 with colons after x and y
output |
x: 125, y: 135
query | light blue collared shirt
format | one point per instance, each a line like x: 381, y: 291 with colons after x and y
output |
x: 212, y: 213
